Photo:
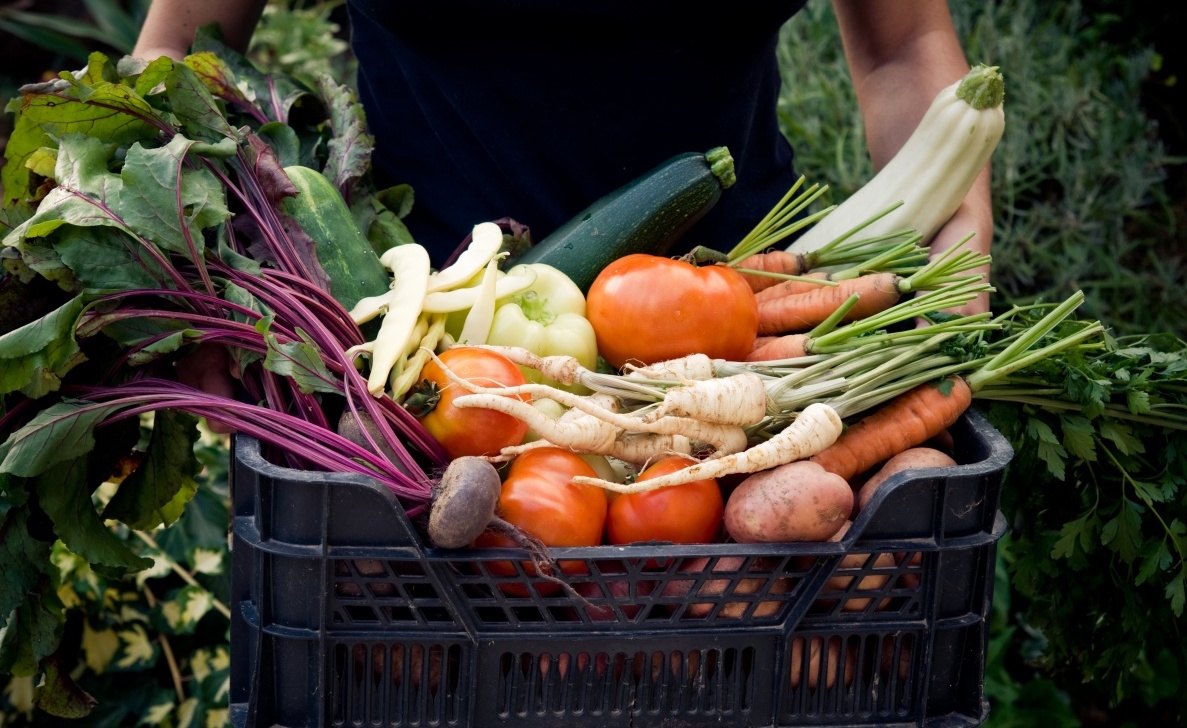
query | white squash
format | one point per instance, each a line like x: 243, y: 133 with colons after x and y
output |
x: 932, y: 173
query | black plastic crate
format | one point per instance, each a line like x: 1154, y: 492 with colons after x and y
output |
x: 344, y: 617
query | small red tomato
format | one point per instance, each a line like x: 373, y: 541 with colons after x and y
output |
x: 648, y: 308
x: 474, y: 430
x: 538, y: 498
x: 689, y: 513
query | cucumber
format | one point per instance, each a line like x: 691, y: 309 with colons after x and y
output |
x: 646, y: 215
x: 343, y: 251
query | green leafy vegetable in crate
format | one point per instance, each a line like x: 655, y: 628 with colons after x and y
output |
x: 158, y: 199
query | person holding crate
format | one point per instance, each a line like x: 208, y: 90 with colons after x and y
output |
x: 533, y: 109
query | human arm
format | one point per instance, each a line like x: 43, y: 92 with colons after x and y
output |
x: 169, y: 27
x: 901, y: 53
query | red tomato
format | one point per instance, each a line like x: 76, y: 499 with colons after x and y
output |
x: 474, y: 430
x: 689, y: 513
x: 647, y: 308
x: 538, y: 498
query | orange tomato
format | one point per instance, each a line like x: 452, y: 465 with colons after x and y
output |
x: 538, y: 498
x: 474, y: 430
x: 648, y: 308
x: 688, y: 513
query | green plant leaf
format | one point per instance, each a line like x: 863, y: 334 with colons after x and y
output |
x: 1123, y: 532
x: 1156, y: 557
x: 60, y: 696
x: 259, y: 88
x: 145, y: 498
x: 136, y: 649
x: 96, y: 103
x: 1079, y: 437
x: 283, y: 141
x: 84, y: 188
x: 98, y: 646
x: 120, y: 28
x: 301, y: 361
x: 59, y: 433
x: 1050, y: 451
x: 165, y: 346
x: 65, y: 495
x: 1176, y: 592
x: 22, y: 557
x: 1121, y: 435
x: 35, y: 357
x: 45, y: 38
x: 202, y: 526
x: 185, y: 609
x: 107, y: 258
x: 148, y: 199
x: 32, y: 632
x: 350, y: 146
x: 195, y: 107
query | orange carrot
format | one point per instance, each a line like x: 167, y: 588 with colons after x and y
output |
x: 910, y: 419
x: 803, y: 311
x: 785, y: 288
x: 788, y: 346
x: 772, y: 261
x: 761, y: 341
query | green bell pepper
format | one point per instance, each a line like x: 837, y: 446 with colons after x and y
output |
x: 547, y: 318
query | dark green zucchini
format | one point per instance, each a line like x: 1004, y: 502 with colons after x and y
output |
x: 647, y: 215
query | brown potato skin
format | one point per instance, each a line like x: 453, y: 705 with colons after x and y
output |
x: 840, y: 583
x: 799, y: 501
x: 717, y: 587
x: 910, y: 459
x: 816, y: 651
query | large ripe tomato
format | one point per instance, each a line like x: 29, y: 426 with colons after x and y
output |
x: 474, y: 430
x: 648, y: 308
x: 538, y: 498
x: 689, y: 513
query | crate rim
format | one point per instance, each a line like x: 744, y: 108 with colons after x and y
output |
x: 999, y: 453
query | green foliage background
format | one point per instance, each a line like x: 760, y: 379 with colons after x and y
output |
x: 1088, y: 191
x: 1088, y: 194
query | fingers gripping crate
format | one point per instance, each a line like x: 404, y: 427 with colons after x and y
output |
x: 344, y: 617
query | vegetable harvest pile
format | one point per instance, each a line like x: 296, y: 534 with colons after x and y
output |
x: 610, y: 394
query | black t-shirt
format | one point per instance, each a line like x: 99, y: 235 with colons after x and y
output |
x: 533, y: 109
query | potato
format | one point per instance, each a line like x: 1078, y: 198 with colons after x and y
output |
x: 717, y: 587
x: 840, y: 582
x: 832, y: 667
x: 911, y: 459
x: 620, y: 593
x: 799, y: 501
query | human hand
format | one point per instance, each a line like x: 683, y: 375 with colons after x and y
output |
x: 964, y: 221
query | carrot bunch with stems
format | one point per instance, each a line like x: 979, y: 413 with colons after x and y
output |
x: 900, y: 254
x: 904, y: 392
x: 921, y: 407
x: 796, y: 312
x: 830, y: 336
x: 763, y: 268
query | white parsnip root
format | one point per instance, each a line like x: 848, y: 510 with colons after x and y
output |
x: 693, y: 366
x: 564, y: 370
x: 816, y: 427
x: 584, y: 434
x: 724, y: 439
x: 739, y: 399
